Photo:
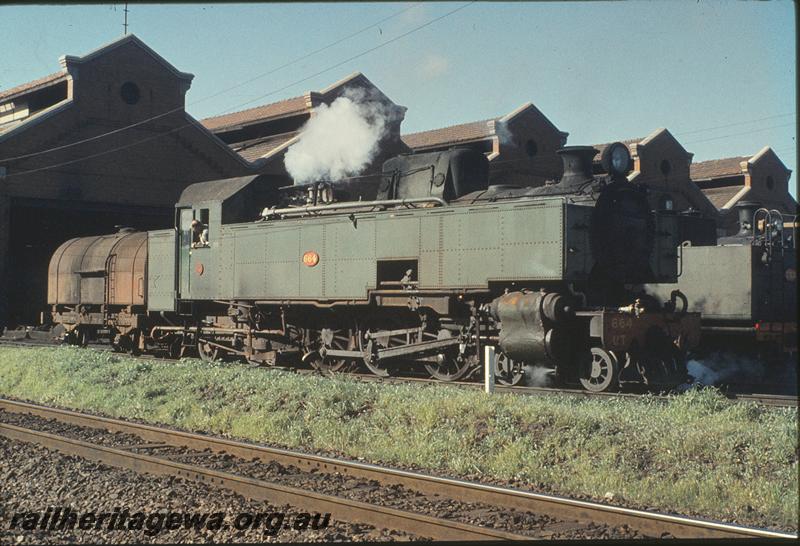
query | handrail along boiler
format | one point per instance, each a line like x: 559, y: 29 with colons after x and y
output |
x: 419, y: 268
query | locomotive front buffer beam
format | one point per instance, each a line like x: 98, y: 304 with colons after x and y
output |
x: 600, y: 348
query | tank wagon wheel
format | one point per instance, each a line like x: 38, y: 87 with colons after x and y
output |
x: 343, y: 340
x: 128, y: 343
x: 207, y: 351
x: 78, y: 337
x: 507, y: 370
x: 599, y: 371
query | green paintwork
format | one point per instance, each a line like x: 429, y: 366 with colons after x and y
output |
x: 161, y: 246
x: 456, y: 247
x: 733, y: 283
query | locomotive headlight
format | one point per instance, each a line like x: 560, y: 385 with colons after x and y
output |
x: 616, y: 159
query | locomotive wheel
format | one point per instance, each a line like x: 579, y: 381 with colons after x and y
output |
x: 449, y: 367
x: 667, y: 370
x: 599, y: 371
x: 207, y: 352
x: 508, y: 371
x: 332, y: 339
x: 365, y: 345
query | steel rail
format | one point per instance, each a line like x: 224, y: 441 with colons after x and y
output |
x: 342, y: 508
x: 765, y: 399
x: 647, y: 522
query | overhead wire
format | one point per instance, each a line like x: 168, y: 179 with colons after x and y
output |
x: 746, y: 122
x: 225, y: 90
x: 739, y: 134
x: 131, y: 144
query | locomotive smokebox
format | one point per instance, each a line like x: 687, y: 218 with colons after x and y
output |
x: 577, y: 164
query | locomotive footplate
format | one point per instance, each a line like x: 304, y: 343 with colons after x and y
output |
x: 623, y: 331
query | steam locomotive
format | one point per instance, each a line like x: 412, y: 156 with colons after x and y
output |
x: 420, y: 268
x: 745, y: 287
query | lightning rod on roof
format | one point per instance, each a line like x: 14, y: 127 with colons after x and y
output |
x: 125, y: 24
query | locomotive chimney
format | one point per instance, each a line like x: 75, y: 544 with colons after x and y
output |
x: 746, y: 210
x: 577, y: 164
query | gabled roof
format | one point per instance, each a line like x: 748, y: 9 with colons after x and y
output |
x: 252, y: 150
x: 634, y: 143
x: 34, y: 85
x: 302, y: 104
x: 286, y: 107
x: 67, y: 60
x: 600, y: 147
x: 719, y: 197
x: 717, y: 168
x: 469, y: 132
x: 9, y: 130
x: 464, y: 132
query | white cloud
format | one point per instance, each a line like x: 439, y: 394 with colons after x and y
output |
x: 434, y: 65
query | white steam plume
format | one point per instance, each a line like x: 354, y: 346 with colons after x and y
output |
x: 340, y: 140
x: 504, y: 133
x: 725, y: 367
x: 537, y: 376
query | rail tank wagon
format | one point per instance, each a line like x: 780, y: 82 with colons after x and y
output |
x: 100, y: 283
x: 422, y: 269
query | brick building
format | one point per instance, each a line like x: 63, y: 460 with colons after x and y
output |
x: 263, y: 134
x: 762, y: 178
x: 520, y: 146
x: 662, y: 164
x: 131, y: 177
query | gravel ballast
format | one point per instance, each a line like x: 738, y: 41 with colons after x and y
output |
x: 394, y: 496
x: 35, y: 479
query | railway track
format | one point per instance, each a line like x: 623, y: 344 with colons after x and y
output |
x: 764, y: 399
x: 152, y: 439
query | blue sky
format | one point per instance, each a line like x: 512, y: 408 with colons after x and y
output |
x: 719, y: 75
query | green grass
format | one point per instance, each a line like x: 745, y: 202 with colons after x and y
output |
x: 698, y: 453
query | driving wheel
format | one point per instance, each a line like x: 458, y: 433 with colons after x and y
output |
x: 599, y: 371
